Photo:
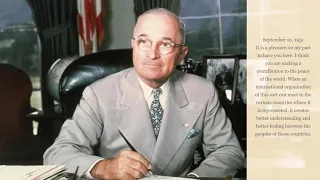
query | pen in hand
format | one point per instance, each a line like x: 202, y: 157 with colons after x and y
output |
x: 132, y: 148
x: 74, y: 176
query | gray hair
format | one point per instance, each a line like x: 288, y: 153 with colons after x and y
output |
x: 224, y: 67
x: 167, y: 12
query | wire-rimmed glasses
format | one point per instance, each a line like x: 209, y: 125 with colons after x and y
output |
x: 164, y: 46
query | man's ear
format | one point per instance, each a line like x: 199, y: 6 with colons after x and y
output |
x: 183, y: 53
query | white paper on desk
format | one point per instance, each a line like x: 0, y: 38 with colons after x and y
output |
x: 30, y: 172
x: 157, y: 177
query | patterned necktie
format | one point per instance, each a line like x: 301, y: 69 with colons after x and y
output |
x: 156, y: 111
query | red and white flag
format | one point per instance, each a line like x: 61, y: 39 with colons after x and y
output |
x: 90, y: 25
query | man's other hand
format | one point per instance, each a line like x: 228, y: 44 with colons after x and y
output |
x: 126, y: 165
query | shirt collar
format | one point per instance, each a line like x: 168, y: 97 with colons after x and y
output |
x: 147, y: 90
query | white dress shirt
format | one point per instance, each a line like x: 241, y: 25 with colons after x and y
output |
x: 147, y: 92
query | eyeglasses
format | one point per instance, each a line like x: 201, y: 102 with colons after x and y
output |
x: 164, y: 46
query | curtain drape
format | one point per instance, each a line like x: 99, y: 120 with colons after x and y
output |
x: 56, y: 23
x: 90, y: 25
x: 141, y: 6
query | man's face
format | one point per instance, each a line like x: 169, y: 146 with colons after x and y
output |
x: 152, y: 66
x: 222, y: 69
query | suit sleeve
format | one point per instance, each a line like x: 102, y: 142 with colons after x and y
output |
x: 78, y: 136
x: 222, y: 151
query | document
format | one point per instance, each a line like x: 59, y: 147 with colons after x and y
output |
x: 31, y: 172
x: 157, y: 177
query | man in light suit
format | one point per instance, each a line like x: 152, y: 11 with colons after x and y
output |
x: 163, y: 113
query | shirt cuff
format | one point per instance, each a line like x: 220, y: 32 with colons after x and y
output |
x: 87, y: 175
x: 193, y: 174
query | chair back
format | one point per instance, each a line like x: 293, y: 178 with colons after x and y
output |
x: 15, y: 93
x: 86, y: 70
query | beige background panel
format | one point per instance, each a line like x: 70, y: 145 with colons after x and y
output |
x: 274, y: 157
x: 254, y: 6
x: 282, y: 5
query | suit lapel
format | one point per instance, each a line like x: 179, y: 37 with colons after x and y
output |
x: 133, y: 117
x: 177, y: 122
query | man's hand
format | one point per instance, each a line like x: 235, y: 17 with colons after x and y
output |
x: 126, y: 165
